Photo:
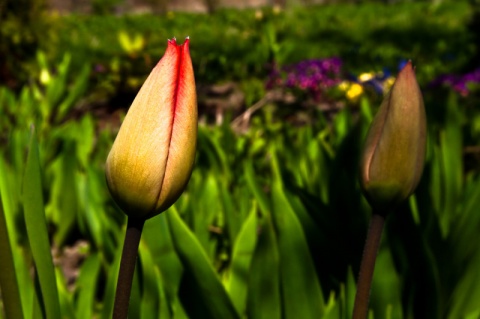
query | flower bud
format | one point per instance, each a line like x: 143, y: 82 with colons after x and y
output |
x: 394, y: 152
x: 152, y: 157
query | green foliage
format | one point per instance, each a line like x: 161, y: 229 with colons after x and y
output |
x: 238, y: 45
x: 273, y: 222
x: 36, y: 228
x: 11, y: 301
x: 24, y: 26
x: 272, y: 225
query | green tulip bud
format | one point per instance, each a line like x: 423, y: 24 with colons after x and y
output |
x: 152, y: 157
x: 394, y: 152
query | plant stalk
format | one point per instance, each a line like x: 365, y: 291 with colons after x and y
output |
x: 127, y: 268
x: 367, y: 266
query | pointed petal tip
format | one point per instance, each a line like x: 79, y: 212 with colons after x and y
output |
x: 408, y: 65
x: 173, y: 41
x: 408, y: 70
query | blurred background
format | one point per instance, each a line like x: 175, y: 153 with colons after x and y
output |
x: 273, y: 221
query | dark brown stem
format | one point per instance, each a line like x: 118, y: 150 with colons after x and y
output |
x: 127, y: 268
x: 360, y: 309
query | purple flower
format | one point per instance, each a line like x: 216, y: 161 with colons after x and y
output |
x: 311, y: 76
x: 458, y: 82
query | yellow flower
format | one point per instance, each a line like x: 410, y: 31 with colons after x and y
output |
x: 354, y: 91
x: 364, y: 77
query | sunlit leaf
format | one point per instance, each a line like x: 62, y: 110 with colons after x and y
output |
x: 8, y: 279
x: 37, y: 231
x: 86, y: 286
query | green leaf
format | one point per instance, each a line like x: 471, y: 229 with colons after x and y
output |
x: 466, y: 226
x: 241, y: 258
x: 464, y: 300
x: 301, y: 292
x: 207, y: 208
x: 264, y: 300
x: 91, y: 206
x: 64, y: 295
x: 74, y: 93
x: 350, y: 292
x: 85, y: 137
x: 111, y: 284
x: 150, y: 282
x: 233, y: 214
x: 452, y: 163
x: 12, y: 303
x: 63, y: 206
x: 201, y: 292
x: 255, y: 188
x: 86, y: 285
x: 332, y: 308
x: 386, y: 287
x: 156, y: 234
x: 37, y: 231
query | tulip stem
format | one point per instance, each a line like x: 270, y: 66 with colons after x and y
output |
x: 367, y: 266
x: 127, y: 268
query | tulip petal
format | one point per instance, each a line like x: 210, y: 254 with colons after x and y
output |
x: 394, y: 152
x: 181, y: 154
x: 157, y: 135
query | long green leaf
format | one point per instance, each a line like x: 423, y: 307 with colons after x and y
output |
x: 86, y: 285
x: 151, y: 284
x: 65, y: 296
x: 386, y: 287
x: 466, y: 294
x: 10, y: 201
x: 156, y: 234
x: 207, y: 208
x: 37, y: 231
x: 241, y: 258
x: 202, y: 293
x: 264, y: 300
x: 301, y: 292
x: 111, y: 284
x: 63, y: 206
x: 452, y: 165
x: 255, y: 188
x: 8, y: 280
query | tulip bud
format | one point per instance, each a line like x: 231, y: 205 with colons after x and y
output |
x: 394, y: 152
x: 152, y: 157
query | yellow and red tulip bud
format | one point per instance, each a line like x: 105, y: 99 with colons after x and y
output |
x: 394, y: 152
x: 152, y: 157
